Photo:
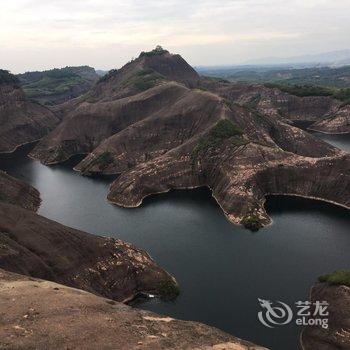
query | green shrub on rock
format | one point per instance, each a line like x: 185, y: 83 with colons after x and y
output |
x: 252, y: 223
x: 104, y: 160
x: 155, y: 52
x: 341, y: 277
x: 168, y: 289
x: 224, y: 129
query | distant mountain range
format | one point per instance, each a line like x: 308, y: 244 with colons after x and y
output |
x: 332, y: 58
x: 333, y: 77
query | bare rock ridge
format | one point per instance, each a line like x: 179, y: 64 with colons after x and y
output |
x: 337, y: 335
x: 21, y: 121
x: 158, y: 126
x: 148, y: 70
x: 35, y: 246
x: 42, y: 315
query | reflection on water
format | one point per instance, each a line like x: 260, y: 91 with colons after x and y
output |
x: 222, y: 269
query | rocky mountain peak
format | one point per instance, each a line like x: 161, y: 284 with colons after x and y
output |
x: 146, y: 71
x: 171, y: 66
x: 158, y: 51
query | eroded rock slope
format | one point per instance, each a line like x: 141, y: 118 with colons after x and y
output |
x: 16, y: 192
x: 337, y: 123
x: 35, y: 246
x: 322, y: 113
x: 21, y: 121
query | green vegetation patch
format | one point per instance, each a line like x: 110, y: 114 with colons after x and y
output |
x: 7, y: 78
x: 224, y: 129
x: 147, y: 81
x: 252, y: 223
x: 60, y: 73
x: 144, y: 79
x: 302, y: 90
x: 212, y: 79
x: 109, y: 75
x: 336, y: 278
x: 253, y: 102
x: 45, y: 87
x: 343, y: 95
x: 203, y: 145
x: 168, y: 289
x: 51, y: 86
x: 104, y: 160
x: 313, y: 90
x: 156, y: 52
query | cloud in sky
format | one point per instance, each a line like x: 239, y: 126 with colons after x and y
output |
x: 39, y: 34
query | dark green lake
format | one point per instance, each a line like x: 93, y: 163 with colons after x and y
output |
x: 222, y: 269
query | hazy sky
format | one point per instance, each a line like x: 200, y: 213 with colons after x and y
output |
x: 40, y: 34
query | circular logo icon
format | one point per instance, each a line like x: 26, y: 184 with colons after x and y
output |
x: 274, y: 313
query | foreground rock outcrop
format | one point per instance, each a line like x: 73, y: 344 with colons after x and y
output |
x: 45, y: 315
x: 337, y: 336
x: 21, y: 121
x: 35, y: 246
x: 151, y: 125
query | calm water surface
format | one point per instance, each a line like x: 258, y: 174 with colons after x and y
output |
x: 341, y: 141
x: 222, y: 269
